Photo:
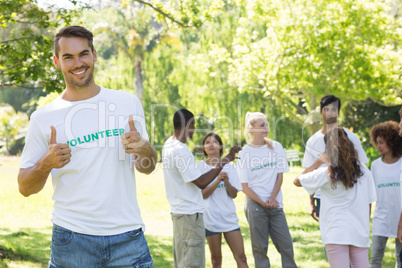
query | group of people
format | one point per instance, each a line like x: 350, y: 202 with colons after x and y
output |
x: 96, y: 217
x: 336, y: 173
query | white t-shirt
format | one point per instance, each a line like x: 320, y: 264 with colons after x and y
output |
x: 344, y: 214
x: 220, y: 213
x: 315, y: 146
x: 179, y: 170
x: 400, y: 183
x: 388, y: 205
x: 259, y: 168
x: 95, y: 193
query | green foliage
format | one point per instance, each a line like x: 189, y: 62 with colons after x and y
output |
x: 12, y: 126
x: 284, y: 54
x: 17, y: 97
x: 27, y: 33
x: 363, y: 115
x: 296, y: 53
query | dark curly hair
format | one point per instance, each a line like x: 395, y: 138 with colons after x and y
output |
x: 344, y: 165
x: 389, y: 131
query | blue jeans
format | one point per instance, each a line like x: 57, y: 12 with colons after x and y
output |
x: 74, y: 250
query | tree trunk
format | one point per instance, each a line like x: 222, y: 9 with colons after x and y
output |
x: 138, y: 80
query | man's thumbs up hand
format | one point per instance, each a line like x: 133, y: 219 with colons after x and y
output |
x: 58, y: 154
x: 52, y: 135
x: 132, y: 141
x: 131, y: 124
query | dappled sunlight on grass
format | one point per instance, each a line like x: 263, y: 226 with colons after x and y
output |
x: 25, y: 230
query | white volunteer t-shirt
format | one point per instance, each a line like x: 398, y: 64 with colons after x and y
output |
x: 315, y: 146
x: 220, y: 213
x: 388, y: 205
x: 95, y: 193
x: 259, y: 168
x: 179, y: 171
x: 344, y: 214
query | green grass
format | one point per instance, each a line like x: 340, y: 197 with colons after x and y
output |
x: 25, y: 227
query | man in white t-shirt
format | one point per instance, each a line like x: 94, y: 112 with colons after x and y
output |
x: 183, y: 184
x: 90, y: 139
x: 315, y: 146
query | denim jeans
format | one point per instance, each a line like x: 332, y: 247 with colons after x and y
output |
x: 378, y: 246
x: 74, y: 250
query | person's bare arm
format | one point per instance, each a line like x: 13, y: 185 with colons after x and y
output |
x: 32, y: 180
x: 230, y: 190
x: 252, y: 195
x: 206, y: 178
x: 207, y: 191
x: 145, y: 156
x: 313, y: 208
x: 272, y: 202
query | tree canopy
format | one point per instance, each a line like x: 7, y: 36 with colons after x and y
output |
x: 27, y: 33
x: 222, y: 58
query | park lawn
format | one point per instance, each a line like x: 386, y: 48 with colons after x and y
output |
x: 25, y: 227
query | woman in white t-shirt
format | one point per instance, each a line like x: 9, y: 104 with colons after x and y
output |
x: 347, y: 190
x: 220, y: 213
x: 386, y: 173
x: 260, y: 167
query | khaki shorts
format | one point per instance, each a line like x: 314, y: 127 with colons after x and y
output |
x: 188, y: 240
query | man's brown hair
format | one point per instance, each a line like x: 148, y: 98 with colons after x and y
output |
x: 73, y: 31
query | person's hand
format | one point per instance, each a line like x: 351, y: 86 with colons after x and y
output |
x: 271, y: 203
x: 132, y: 141
x: 231, y: 155
x: 58, y: 154
x: 314, y: 212
x: 223, y: 176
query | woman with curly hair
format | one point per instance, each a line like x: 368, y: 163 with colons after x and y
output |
x: 386, y: 172
x: 347, y: 190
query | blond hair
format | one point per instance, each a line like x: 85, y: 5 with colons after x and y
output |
x: 251, y: 118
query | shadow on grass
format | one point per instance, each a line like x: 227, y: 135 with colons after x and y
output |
x: 161, y: 248
x: 26, y: 245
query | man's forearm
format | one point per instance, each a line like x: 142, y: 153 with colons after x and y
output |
x: 32, y: 180
x: 146, y: 164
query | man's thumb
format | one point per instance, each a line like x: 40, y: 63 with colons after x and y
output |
x: 131, y: 123
x: 53, y: 135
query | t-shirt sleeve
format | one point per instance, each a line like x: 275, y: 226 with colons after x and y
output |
x: 371, y: 186
x: 314, y: 180
x: 139, y: 118
x: 186, y: 165
x: 242, y: 171
x: 282, y: 162
x: 308, y: 158
x: 358, y: 147
x: 36, y: 145
x: 234, y: 178
x: 372, y: 169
